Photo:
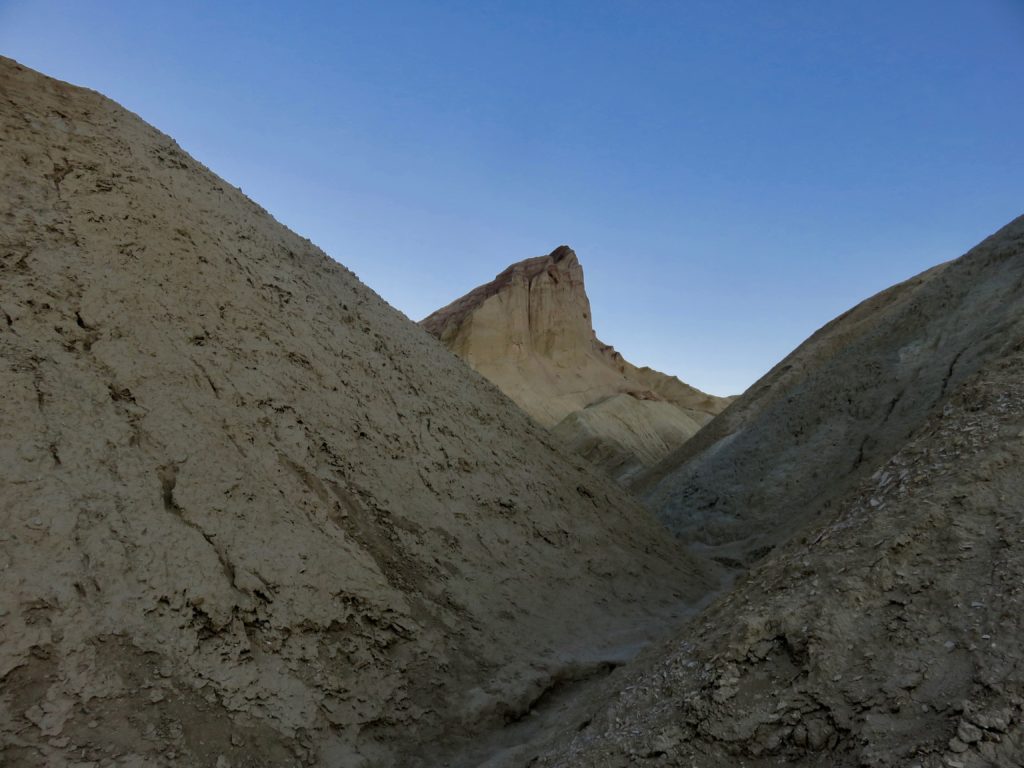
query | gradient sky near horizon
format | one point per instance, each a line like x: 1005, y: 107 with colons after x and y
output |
x: 732, y: 175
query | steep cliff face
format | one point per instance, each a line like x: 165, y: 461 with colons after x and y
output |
x: 250, y: 514
x: 529, y: 331
x: 882, y: 461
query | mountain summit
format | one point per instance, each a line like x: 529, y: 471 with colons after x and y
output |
x: 529, y: 331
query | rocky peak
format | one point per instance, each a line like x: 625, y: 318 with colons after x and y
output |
x: 561, y: 253
x: 529, y: 331
x: 537, y: 306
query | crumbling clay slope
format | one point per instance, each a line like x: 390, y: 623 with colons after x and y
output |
x: 842, y: 403
x: 249, y: 514
x: 888, y: 631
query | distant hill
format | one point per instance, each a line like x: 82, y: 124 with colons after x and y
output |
x: 529, y: 331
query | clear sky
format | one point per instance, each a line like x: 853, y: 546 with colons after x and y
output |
x: 731, y: 174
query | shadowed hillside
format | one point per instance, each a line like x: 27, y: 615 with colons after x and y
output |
x: 251, y: 513
x: 842, y: 403
x: 883, y: 459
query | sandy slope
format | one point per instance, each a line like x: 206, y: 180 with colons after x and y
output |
x: 530, y: 332
x: 623, y: 434
x: 887, y: 629
x: 251, y: 515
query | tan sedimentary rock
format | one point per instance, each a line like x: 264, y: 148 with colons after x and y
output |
x: 250, y: 514
x: 529, y: 331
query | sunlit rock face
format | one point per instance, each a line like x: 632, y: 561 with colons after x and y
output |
x: 529, y: 331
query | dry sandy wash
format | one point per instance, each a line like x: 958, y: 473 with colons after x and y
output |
x: 252, y: 515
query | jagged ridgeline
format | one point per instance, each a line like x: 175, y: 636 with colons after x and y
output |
x: 251, y: 515
x: 530, y: 332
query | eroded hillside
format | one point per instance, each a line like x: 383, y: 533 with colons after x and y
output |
x: 843, y: 402
x: 250, y: 513
x: 885, y: 627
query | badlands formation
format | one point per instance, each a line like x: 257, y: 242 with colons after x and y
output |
x: 529, y: 331
x: 877, y: 475
x: 253, y: 516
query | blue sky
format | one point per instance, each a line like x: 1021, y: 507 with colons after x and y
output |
x: 731, y: 174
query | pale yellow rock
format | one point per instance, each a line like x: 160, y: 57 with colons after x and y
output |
x: 529, y: 331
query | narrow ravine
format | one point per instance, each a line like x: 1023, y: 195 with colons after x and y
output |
x: 578, y: 687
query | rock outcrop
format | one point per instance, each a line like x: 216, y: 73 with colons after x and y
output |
x: 529, y: 331
x: 250, y: 514
x: 874, y: 479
